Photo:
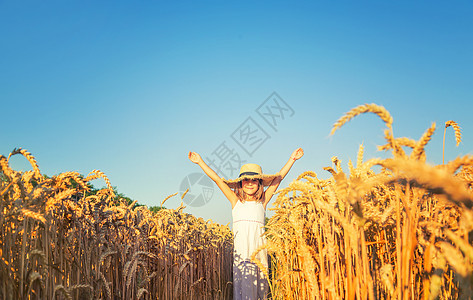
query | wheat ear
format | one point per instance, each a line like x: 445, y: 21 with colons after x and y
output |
x: 458, y: 136
x: 99, y: 174
x: 162, y: 202
x: 373, y: 108
x: 4, y: 167
x: 419, y: 149
x: 29, y: 157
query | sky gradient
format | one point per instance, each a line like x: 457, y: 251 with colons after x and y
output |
x: 131, y: 87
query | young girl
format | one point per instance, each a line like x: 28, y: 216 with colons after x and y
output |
x: 249, y: 200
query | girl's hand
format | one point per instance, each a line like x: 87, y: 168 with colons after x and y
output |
x: 298, y: 153
x: 194, y: 157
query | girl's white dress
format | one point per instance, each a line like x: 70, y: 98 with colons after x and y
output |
x: 249, y: 282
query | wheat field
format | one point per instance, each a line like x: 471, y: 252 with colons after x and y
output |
x: 403, y: 232
x: 395, y: 228
x: 58, y: 241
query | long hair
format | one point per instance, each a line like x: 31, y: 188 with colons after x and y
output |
x: 243, y: 196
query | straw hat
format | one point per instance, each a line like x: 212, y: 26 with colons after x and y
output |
x: 251, y: 171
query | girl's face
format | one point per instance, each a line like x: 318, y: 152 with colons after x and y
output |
x: 250, y: 186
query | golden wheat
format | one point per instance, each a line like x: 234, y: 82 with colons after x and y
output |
x: 31, y: 159
x: 380, y: 111
x: 60, y: 241
x: 375, y: 235
x: 458, y: 135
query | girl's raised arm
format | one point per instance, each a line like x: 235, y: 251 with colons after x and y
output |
x: 298, y: 153
x: 227, y: 191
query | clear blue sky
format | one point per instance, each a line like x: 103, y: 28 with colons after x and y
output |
x: 129, y: 87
